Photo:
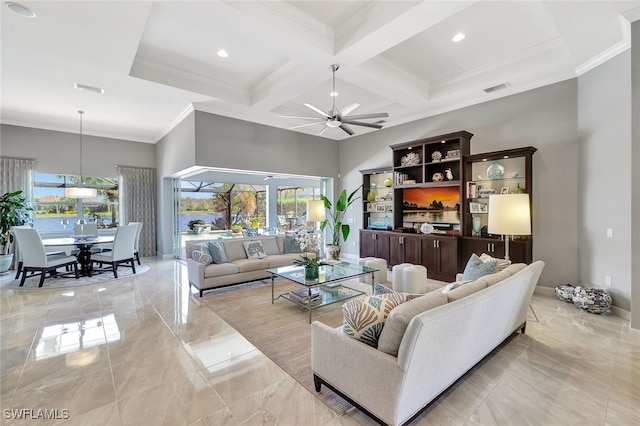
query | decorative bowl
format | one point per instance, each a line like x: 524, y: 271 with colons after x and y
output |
x: 426, y: 228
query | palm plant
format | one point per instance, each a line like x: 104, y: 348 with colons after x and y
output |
x: 335, y: 215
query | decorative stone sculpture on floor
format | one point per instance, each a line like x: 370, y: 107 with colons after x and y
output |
x: 565, y: 292
x: 592, y: 300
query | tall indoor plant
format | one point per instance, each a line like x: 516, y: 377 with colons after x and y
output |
x: 14, y: 211
x: 338, y: 230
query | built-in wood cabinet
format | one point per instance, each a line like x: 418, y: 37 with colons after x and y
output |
x: 377, y: 198
x: 519, y: 250
x: 374, y: 244
x: 440, y: 256
x: 404, y: 248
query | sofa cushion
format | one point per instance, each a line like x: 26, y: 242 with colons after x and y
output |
x: 217, y: 252
x: 502, y: 263
x: 189, y: 248
x: 379, y: 288
x: 364, y: 317
x: 254, y: 249
x: 218, y: 270
x: 291, y: 244
x: 452, y: 286
x: 399, y: 318
x: 270, y: 245
x: 476, y: 268
x: 465, y: 290
x: 201, y: 257
x: 278, y: 260
x: 247, y: 265
x: 235, y: 250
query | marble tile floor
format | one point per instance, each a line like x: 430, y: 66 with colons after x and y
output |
x: 145, y: 351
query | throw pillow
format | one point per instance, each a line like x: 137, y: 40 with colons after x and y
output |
x: 364, y: 317
x: 452, y: 286
x: 190, y: 248
x: 254, y: 249
x: 216, y: 250
x: 502, y: 263
x: 291, y: 245
x: 201, y: 257
x: 379, y: 289
x: 476, y: 268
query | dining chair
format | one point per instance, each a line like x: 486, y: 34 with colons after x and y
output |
x: 136, y: 245
x: 122, y: 251
x: 89, y: 228
x: 18, y: 252
x: 34, y: 256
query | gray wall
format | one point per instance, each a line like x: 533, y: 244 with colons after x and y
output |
x: 604, y: 126
x: 545, y: 118
x: 59, y: 152
x: 635, y: 176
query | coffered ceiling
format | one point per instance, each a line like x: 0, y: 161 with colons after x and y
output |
x: 157, y: 60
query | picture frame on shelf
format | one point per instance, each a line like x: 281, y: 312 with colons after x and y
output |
x: 474, y: 207
x: 504, y: 190
x: 381, y: 208
x: 484, y: 208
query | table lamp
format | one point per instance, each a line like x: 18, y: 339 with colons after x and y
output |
x: 316, y: 213
x: 509, y: 214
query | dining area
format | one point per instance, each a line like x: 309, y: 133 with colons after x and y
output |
x: 85, y: 253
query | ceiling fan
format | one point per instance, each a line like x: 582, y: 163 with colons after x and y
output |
x: 334, y: 118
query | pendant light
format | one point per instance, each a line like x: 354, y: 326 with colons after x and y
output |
x: 80, y: 191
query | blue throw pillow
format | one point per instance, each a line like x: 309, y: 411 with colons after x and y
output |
x: 476, y: 268
x: 217, y: 253
x: 291, y: 245
x: 379, y: 289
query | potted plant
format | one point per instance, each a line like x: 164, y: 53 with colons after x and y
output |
x: 311, y: 266
x: 14, y: 211
x: 335, y: 221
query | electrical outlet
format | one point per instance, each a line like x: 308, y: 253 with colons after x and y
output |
x: 609, y: 232
x: 607, y: 281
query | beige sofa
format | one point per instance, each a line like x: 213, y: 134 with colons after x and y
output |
x: 239, y: 267
x: 438, y: 338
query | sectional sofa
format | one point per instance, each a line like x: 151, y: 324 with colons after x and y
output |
x: 240, y: 261
x: 425, y: 346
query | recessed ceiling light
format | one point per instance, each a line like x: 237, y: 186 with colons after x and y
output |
x: 20, y: 9
x: 98, y: 90
x: 223, y: 53
x: 458, y: 37
x: 333, y: 94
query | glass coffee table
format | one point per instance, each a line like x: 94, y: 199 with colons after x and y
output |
x: 324, y: 290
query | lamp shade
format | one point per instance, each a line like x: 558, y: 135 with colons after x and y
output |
x: 80, y: 192
x: 315, y: 211
x: 509, y: 214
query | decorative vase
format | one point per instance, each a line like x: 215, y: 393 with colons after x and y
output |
x: 477, y: 225
x: 311, y: 272
x: 495, y: 171
x: 5, y: 262
x: 592, y: 300
x: 333, y: 251
x: 371, y: 196
x: 388, y: 182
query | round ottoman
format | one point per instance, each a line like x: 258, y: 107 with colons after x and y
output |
x: 592, y: 300
x: 414, y: 279
x: 565, y: 292
x: 380, y: 276
x: 396, y: 276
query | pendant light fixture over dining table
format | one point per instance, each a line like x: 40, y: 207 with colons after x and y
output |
x: 80, y: 191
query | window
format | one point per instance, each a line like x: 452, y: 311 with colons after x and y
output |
x: 54, y: 212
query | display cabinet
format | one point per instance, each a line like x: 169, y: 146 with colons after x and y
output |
x: 377, y: 198
x: 374, y: 244
x: 440, y: 255
x: 404, y: 248
x: 498, y: 172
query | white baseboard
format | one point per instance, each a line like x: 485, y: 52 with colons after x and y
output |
x: 619, y: 312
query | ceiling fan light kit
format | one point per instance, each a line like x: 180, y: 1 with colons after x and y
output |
x: 338, y: 118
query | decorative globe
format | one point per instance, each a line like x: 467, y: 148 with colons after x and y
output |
x: 495, y: 171
x: 565, y: 292
x: 592, y: 300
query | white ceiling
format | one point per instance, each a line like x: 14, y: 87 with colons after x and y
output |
x: 156, y: 60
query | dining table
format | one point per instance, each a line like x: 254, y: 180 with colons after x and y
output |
x: 84, y: 245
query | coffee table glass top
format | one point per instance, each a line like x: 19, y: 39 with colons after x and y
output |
x: 327, y: 273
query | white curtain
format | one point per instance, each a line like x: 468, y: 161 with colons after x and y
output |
x: 137, y: 188
x: 17, y: 174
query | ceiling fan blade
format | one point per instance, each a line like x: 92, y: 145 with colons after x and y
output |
x: 317, y: 110
x: 346, y: 110
x: 297, y: 116
x: 362, y: 123
x: 346, y: 129
x: 305, y: 125
x: 323, y: 130
x: 365, y: 116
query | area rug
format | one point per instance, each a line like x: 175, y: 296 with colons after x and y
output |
x: 31, y: 283
x: 281, y: 330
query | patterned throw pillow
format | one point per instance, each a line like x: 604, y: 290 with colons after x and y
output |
x: 216, y: 250
x: 201, y: 257
x: 254, y: 249
x: 203, y: 247
x: 291, y: 245
x: 364, y: 317
x: 452, y: 286
x: 379, y: 289
x: 476, y: 268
